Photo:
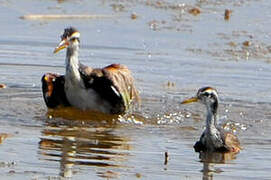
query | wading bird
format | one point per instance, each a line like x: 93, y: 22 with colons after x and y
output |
x: 213, y: 139
x: 109, y: 90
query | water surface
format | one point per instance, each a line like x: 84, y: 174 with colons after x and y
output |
x: 171, y: 53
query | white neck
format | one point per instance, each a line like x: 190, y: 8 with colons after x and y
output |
x: 211, y: 120
x: 72, y: 62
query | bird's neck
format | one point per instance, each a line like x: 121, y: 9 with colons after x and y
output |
x: 72, y: 61
x: 211, y: 119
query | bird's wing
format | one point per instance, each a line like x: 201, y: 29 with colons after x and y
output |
x: 113, y: 83
x: 123, y: 81
x: 232, y: 142
x: 85, y: 70
x: 53, y: 90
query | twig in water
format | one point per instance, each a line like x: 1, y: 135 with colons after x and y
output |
x: 63, y: 16
x: 166, y: 158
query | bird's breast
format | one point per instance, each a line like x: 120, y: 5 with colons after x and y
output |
x: 85, y: 99
x: 212, y: 140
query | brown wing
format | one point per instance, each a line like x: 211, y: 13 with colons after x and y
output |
x: 53, y: 90
x: 113, y: 83
x: 123, y: 81
x: 85, y: 69
x: 232, y: 142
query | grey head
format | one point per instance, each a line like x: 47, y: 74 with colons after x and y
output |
x: 69, y: 39
x: 207, y: 96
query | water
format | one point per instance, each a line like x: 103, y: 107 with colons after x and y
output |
x: 171, y: 54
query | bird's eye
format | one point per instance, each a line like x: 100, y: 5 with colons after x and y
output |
x: 73, y: 39
x: 209, y: 95
x: 205, y: 94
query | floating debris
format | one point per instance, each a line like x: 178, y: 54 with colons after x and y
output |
x: 3, y: 136
x: 227, y: 14
x: 8, y: 164
x: 194, y: 11
x: 133, y: 16
x: 170, y: 84
x: 138, y: 175
x: 166, y: 158
x: 63, y: 16
x: 118, y: 7
x: 247, y: 43
x: 232, y: 44
x: 2, y: 86
x: 153, y: 25
x: 109, y: 174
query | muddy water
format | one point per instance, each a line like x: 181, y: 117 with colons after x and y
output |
x: 171, y: 53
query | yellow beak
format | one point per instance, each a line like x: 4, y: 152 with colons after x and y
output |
x: 190, y: 100
x: 62, y: 45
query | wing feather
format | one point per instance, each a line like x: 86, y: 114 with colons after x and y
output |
x: 232, y: 142
x: 113, y: 83
x: 123, y: 81
x: 53, y: 90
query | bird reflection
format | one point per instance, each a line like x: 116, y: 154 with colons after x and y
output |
x: 73, y: 145
x: 210, y: 159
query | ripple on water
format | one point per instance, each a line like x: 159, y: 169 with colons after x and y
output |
x: 171, y: 53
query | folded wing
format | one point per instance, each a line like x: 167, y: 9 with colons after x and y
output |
x: 114, y: 84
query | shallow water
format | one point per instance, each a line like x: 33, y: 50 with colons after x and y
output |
x: 171, y: 53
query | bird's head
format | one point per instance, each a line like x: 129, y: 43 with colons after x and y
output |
x: 206, y: 95
x: 70, y: 37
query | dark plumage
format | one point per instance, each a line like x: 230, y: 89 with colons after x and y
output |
x: 213, y: 139
x: 53, y: 90
x: 68, y: 32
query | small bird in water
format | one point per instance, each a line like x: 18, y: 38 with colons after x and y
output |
x: 109, y: 90
x: 213, y: 139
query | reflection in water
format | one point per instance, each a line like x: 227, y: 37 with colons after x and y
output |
x: 74, y: 145
x: 210, y: 159
x: 72, y: 113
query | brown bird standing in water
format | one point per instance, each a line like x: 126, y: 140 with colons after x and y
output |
x: 109, y: 90
x: 213, y: 139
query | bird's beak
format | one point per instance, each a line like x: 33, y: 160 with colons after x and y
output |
x: 190, y: 100
x: 62, y: 45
